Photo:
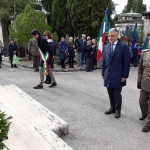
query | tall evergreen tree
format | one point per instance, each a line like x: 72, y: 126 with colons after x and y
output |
x: 87, y: 16
x: 25, y: 22
x: 129, y: 6
x: 7, y: 9
x: 60, y: 18
x: 139, y: 6
x: 48, y: 6
x: 135, y: 5
x: 75, y: 17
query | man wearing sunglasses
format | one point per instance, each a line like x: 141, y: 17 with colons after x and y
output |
x: 45, y: 54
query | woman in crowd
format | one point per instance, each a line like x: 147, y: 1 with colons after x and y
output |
x: 94, y: 61
x: 71, y: 51
x: 63, y: 49
x: 50, y: 78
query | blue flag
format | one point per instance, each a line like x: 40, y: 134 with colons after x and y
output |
x: 126, y: 36
x: 134, y: 34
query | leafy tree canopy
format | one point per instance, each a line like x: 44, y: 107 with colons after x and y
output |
x: 27, y: 21
x: 74, y: 17
x: 135, y: 5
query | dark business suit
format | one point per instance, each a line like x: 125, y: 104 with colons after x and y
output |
x: 115, y: 66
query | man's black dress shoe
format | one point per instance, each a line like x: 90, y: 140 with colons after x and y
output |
x: 146, y: 129
x: 38, y: 87
x: 110, y: 111
x: 142, y: 118
x: 117, y: 114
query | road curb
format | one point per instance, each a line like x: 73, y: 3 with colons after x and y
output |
x: 54, y: 70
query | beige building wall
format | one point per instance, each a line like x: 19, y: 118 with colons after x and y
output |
x: 146, y: 27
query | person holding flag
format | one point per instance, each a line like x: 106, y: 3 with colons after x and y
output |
x: 45, y: 55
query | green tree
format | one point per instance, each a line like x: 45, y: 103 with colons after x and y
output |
x: 25, y: 22
x: 60, y: 18
x: 139, y: 6
x: 7, y: 9
x: 86, y: 16
x: 4, y: 128
x: 129, y: 6
x: 48, y: 6
x: 135, y: 5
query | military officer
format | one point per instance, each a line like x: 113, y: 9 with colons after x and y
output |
x: 144, y: 85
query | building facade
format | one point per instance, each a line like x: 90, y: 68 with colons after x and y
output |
x: 146, y: 17
x: 128, y: 19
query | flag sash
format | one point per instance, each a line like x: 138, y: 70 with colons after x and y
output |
x: 44, y: 58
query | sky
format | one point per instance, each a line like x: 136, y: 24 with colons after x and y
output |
x: 122, y: 3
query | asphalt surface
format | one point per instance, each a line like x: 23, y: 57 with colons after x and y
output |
x: 80, y: 99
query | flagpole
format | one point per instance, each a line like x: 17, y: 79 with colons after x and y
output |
x: 102, y: 38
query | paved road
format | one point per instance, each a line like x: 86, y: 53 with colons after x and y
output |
x: 80, y: 99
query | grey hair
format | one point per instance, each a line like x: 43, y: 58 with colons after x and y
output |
x: 114, y: 30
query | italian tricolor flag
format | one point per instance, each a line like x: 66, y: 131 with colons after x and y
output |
x: 102, y: 36
x: 45, y: 64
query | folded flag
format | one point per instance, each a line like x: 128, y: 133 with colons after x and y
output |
x: 126, y: 36
x: 134, y: 35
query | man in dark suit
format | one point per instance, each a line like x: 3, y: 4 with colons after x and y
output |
x: 45, y: 55
x: 115, y: 70
x: 81, y: 47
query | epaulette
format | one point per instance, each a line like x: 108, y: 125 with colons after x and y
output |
x: 145, y: 50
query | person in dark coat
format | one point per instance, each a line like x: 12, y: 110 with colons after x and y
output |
x: 89, y: 52
x: 115, y: 70
x: 63, y: 49
x: 71, y: 51
x: 135, y: 55
x: 50, y: 77
x: 81, y: 47
x: 94, y: 54
x: 45, y: 51
x: 12, y: 49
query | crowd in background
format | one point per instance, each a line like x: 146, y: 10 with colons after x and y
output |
x: 84, y: 47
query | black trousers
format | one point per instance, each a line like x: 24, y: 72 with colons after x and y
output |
x: 62, y: 62
x: 89, y: 64
x: 115, y: 98
x: 0, y: 58
x: 71, y: 61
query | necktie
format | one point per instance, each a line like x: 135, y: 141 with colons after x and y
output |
x: 112, y: 50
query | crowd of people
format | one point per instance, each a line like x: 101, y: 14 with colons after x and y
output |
x: 135, y: 54
x: 85, y: 48
x: 117, y: 59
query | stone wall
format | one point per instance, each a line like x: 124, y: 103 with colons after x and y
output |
x: 146, y: 27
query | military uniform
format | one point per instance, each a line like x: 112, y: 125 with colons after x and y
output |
x: 33, y: 49
x: 144, y: 81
